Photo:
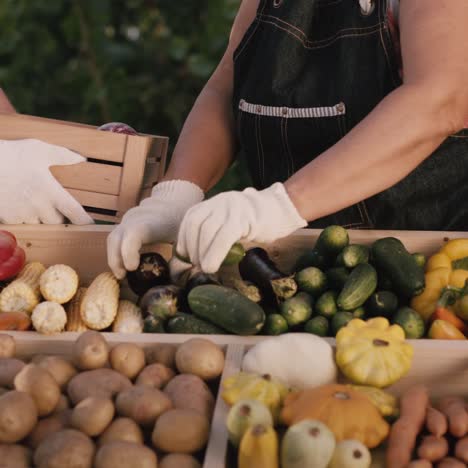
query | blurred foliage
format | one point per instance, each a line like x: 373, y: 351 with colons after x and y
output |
x: 142, y: 62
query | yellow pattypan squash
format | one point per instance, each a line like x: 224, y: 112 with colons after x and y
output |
x: 373, y: 353
x: 346, y: 412
x: 262, y: 388
x: 448, y: 267
x: 385, y: 402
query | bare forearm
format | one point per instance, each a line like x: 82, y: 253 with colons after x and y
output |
x: 403, y: 130
x: 5, y: 105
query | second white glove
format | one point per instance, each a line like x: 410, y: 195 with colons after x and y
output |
x: 209, y: 229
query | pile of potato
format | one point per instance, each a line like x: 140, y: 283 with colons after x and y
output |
x: 107, y: 408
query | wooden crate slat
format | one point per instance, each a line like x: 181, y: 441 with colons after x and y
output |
x: 156, y: 162
x: 89, y: 176
x: 88, y: 142
x: 97, y: 200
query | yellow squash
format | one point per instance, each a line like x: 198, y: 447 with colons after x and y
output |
x: 373, y: 353
x: 347, y: 413
x: 385, y: 402
x: 448, y: 267
x: 442, y: 330
x: 259, y: 448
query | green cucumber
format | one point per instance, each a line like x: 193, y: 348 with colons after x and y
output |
x: 152, y: 324
x: 391, y: 257
x: 326, y: 304
x: 188, y: 323
x: 411, y: 322
x: 311, y: 280
x: 352, y: 255
x: 337, y: 277
x: 360, y: 312
x: 310, y: 258
x: 297, y: 309
x: 340, y: 320
x: 275, y: 324
x: 360, y: 284
x: 235, y: 254
x: 317, y: 326
x: 227, y: 309
x: 382, y: 304
x: 332, y: 240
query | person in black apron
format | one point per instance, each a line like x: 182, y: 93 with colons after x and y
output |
x: 306, y: 74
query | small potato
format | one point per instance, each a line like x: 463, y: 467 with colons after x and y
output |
x: 18, y: 416
x: 9, y: 367
x: 92, y: 415
x: 155, y: 376
x: 62, y: 404
x: 3, y: 390
x: 450, y: 462
x: 64, y: 449
x: 40, y: 385
x: 188, y: 391
x: 128, y: 359
x: 200, y: 357
x: 120, y: 454
x: 461, y: 449
x: 99, y: 382
x: 60, y: 369
x: 162, y: 353
x: 433, y: 448
x: 122, y: 429
x: 179, y: 460
x: 15, y: 456
x: 47, y: 426
x: 181, y: 431
x: 90, y: 351
x: 142, y: 404
x: 7, y: 346
x: 420, y: 464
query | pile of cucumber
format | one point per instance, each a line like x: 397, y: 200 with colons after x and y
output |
x: 331, y: 284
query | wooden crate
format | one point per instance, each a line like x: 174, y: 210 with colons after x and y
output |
x: 120, y: 170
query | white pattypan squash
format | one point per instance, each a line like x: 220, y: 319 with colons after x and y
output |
x: 298, y: 360
x: 350, y: 454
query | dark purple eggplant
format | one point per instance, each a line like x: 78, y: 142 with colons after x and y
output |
x: 153, y: 270
x: 198, y: 278
x: 162, y: 301
x: 258, y: 268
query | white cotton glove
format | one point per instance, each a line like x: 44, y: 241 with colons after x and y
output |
x: 156, y: 219
x: 209, y: 229
x: 29, y: 193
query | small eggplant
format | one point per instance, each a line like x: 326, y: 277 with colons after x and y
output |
x: 153, y: 270
x: 161, y: 301
x: 197, y: 278
x: 258, y: 268
x: 152, y: 324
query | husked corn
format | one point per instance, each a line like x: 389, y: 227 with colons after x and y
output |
x: 74, y: 321
x: 59, y: 283
x: 49, y: 318
x: 100, y: 302
x: 129, y: 318
x: 23, y: 294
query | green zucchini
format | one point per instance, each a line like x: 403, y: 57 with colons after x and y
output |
x: 391, y: 257
x: 360, y: 284
x: 188, y: 323
x: 311, y: 280
x: 275, y: 324
x: 382, y: 304
x: 227, y: 309
x: 317, y: 326
x: 297, y: 309
x: 326, y: 304
x: 332, y: 240
x: 311, y: 258
x: 352, y: 255
x: 337, y: 277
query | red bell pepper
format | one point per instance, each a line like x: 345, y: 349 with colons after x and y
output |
x: 448, y: 298
x: 12, y: 256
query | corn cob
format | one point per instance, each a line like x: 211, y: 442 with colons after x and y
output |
x: 100, y: 302
x: 59, y: 283
x: 23, y: 294
x: 129, y: 318
x: 49, y: 318
x: 74, y: 321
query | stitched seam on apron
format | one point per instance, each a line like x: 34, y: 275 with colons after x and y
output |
x: 293, y: 112
x: 348, y: 30
x: 293, y: 169
x: 383, y: 20
x: 261, y: 163
x: 284, y: 143
x: 369, y: 221
x: 254, y: 30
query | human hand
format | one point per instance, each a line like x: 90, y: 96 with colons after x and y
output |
x: 156, y: 219
x: 209, y: 229
x: 29, y: 193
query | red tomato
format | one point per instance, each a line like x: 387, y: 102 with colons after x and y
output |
x: 13, y: 265
x: 7, y: 245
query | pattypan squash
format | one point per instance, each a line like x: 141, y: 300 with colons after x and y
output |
x: 373, y: 353
x: 346, y: 412
x: 385, y: 402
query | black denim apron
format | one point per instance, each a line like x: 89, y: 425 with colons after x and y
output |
x: 306, y: 73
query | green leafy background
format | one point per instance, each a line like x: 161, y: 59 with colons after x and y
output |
x: 142, y: 62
